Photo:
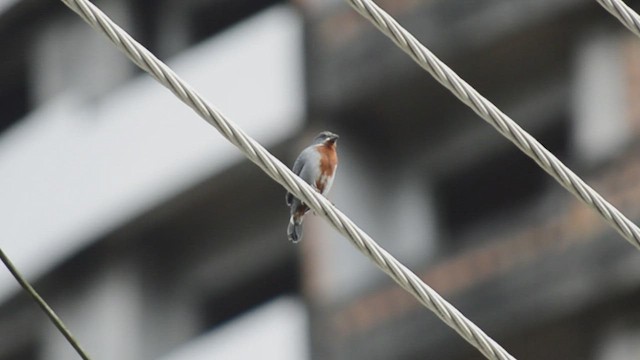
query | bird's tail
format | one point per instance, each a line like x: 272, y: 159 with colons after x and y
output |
x: 294, y: 230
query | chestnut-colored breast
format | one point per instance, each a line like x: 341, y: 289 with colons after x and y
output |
x: 328, y: 164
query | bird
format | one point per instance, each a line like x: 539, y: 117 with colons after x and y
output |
x: 316, y: 165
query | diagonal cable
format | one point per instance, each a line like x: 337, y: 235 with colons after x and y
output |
x: 624, y: 13
x: 281, y: 174
x: 500, y: 121
x: 44, y: 306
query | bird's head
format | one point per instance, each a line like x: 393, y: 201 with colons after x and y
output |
x: 326, y: 137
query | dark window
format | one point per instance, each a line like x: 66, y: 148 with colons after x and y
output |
x: 262, y: 287
x: 29, y: 352
x: 146, y: 24
x: 209, y: 18
x: 497, y: 186
x: 13, y: 96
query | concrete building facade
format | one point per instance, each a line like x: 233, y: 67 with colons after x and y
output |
x: 155, y: 239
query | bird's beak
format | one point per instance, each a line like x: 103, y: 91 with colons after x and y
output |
x: 334, y: 137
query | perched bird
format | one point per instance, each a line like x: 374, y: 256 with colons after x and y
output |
x: 317, y: 166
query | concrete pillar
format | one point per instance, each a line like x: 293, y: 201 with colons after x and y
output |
x: 601, y: 126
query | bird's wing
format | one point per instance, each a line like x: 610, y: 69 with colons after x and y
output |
x: 307, y: 156
x: 299, y: 163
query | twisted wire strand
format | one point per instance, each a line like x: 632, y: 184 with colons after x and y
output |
x: 624, y: 13
x: 281, y: 174
x: 500, y: 121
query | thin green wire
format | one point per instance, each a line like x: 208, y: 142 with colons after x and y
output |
x: 44, y: 306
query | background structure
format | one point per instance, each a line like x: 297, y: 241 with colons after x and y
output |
x: 154, y: 239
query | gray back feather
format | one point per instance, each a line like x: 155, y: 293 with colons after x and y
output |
x: 307, y: 167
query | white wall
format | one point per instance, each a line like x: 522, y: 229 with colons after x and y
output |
x: 74, y: 169
x: 276, y: 330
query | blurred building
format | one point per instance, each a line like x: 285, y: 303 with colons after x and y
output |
x: 155, y: 239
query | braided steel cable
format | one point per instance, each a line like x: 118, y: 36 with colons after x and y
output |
x: 281, y: 174
x: 624, y: 13
x: 500, y: 121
